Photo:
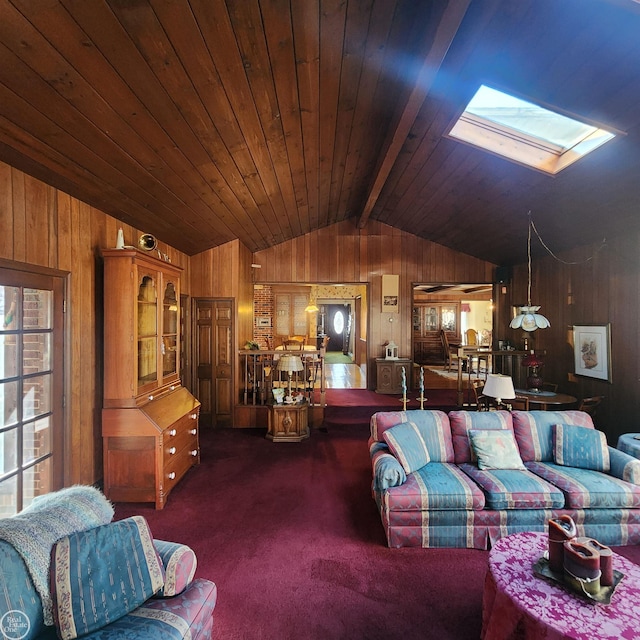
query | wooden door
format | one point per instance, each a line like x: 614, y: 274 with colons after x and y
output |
x: 212, y: 348
x: 337, y: 327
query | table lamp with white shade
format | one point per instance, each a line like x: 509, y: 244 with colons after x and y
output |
x: 290, y: 363
x: 500, y: 387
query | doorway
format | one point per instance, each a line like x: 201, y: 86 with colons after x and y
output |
x: 212, y: 361
x: 458, y: 310
x: 338, y: 327
x: 310, y: 309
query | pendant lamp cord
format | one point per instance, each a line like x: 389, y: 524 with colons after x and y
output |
x: 553, y: 255
x: 529, y: 260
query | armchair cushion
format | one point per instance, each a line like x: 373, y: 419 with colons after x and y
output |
x: 100, y: 575
x: 179, y: 563
x: 624, y: 466
x: 406, y: 442
x: 580, y: 447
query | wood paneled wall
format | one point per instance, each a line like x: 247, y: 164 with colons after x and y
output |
x: 343, y: 253
x: 226, y: 272
x: 591, y: 286
x: 43, y: 226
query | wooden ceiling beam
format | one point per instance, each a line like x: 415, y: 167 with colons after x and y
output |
x: 450, y: 22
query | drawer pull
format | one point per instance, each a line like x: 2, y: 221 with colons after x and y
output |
x: 194, y: 416
x: 172, y: 432
x: 172, y: 387
x: 172, y: 451
x: 193, y: 432
x: 150, y: 398
x: 194, y: 453
x: 172, y: 475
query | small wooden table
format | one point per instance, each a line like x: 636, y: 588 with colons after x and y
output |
x: 288, y: 422
x: 546, y: 398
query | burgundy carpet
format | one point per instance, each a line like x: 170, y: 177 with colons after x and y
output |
x: 290, y: 534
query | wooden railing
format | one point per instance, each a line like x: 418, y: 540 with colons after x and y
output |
x: 260, y: 375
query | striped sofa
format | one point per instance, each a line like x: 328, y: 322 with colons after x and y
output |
x: 435, y: 485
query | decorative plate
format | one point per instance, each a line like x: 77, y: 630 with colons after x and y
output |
x: 541, y: 568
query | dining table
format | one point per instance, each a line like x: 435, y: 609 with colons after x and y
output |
x: 546, y: 398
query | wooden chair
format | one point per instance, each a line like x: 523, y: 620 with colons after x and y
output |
x: 449, y: 357
x: 550, y: 386
x: 519, y: 404
x: 590, y: 405
x: 472, y: 340
x: 482, y: 402
x: 302, y: 339
x: 293, y: 345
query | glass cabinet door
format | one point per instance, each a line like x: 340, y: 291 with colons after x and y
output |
x: 430, y: 319
x: 169, y: 346
x: 449, y: 318
x: 147, y: 330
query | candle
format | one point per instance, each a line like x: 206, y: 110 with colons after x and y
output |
x: 582, y: 567
x: 404, y: 382
x: 560, y: 530
x: 606, y: 560
x: 421, y: 381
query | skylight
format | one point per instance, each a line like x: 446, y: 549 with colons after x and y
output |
x: 525, y: 132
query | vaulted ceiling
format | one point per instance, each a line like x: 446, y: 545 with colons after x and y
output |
x: 210, y: 120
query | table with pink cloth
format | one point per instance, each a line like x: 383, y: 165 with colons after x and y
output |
x: 519, y: 604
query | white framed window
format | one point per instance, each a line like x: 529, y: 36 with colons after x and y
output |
x: 525, y: 132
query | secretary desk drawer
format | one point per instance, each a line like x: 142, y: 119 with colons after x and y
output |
x: 183, y: 433
x: 178, y: 466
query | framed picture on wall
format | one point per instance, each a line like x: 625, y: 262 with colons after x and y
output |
x: 592, y: 351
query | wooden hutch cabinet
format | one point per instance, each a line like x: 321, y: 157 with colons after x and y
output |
x: 428, y: 319
x: 149, y: 421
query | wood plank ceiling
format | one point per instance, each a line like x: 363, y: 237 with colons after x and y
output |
x: 209, y: 120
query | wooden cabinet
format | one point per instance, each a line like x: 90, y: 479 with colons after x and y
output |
x: 288, y: 422
x: 150, y: 422
x: 428, y: 319
x: 389, y: 374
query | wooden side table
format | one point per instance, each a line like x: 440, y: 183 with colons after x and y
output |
x: 288, y: 422
x: 389, y: 374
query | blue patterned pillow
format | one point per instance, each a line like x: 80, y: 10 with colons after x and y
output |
x: 407, y: 444
x: 580, y: 447
x: 100, y: 575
